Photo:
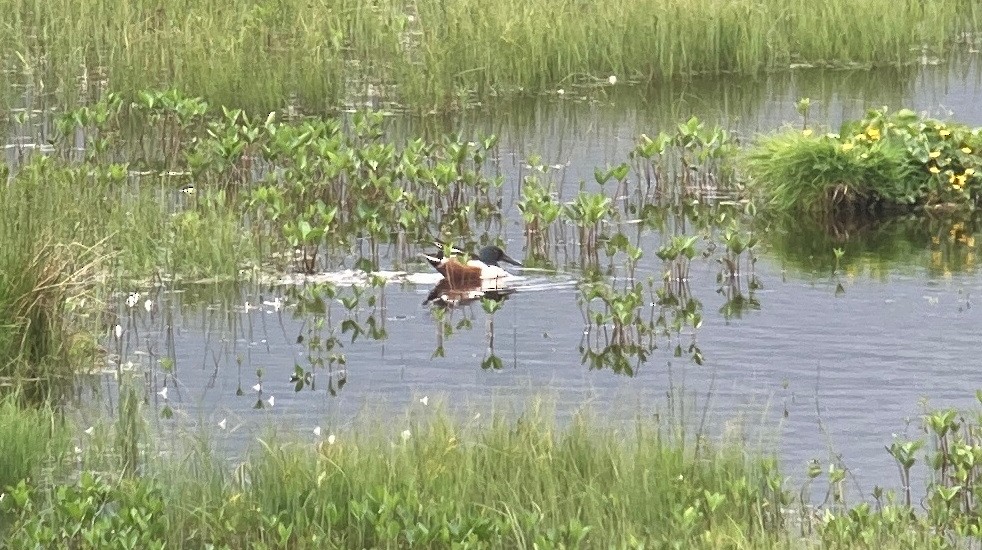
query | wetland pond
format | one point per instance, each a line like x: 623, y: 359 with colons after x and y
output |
x: 819, y: 362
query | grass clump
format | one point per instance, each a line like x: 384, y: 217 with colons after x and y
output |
x: 42, y: 280
x: 883, y: 162
x: 68, y: 231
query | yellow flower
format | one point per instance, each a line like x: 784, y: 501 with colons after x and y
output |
x: 934, y: 169
x: 873, y: 133
x: 859, y: 137
x: 970, y: 171
x: 806, y: 132
x: 967, y: 150
x: 934, y: 154
x: 957, y: 182
x: 944, y: 132
x: 847, y: 146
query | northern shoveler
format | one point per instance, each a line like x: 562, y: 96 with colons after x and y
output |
x: 479, y: 269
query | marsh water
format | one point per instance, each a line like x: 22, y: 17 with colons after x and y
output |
x: 819, y: 363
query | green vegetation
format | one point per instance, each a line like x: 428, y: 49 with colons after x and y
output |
x: 884, y: 162
x: 35, y: 439
x: 203, y: 195
x: 431, y: 481
x: 254, y: 191
x: 44, y: 279
x: 261, y: 54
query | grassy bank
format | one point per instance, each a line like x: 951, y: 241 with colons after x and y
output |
x: 429, y: 481
x: 435, y: 479
x: 260, y: 54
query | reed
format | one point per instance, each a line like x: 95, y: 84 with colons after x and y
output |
x: 262, y: 54
x: 71, y: 233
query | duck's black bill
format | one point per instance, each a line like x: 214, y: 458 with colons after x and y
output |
x: 509, y: 259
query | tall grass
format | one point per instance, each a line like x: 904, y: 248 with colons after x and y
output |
x: 140, y: 226
x: 262, y: 53
x: 66, y: 231
x: 31, y: 438
x: 435, y: 480
x: 441, y: 482
x: 42, y: 278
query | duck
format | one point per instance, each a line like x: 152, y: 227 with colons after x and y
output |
x: 477, y: 271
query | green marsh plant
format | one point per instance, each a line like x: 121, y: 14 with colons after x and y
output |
x: 36, y: 437
x: 617, y: 336
x: 677, y: 253
x: 884, y: 162
x: 947, y: 514
x: 587, y: 211
x: 737, y: 277
x: 426, y: 478
x: 226, y: 154
x: 540, y: 209
x: 173, y: 119
x: 678, y: 309
x: 92, y: 131
x: 46, y: 280
x: 321, y: 336
x: 692, y: 162
x: 328, y: 188
x: 437, y: 55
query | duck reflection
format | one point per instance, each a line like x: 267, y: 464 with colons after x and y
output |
x: 444, y: 294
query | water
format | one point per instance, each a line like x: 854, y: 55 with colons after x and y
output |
x: 834, y: 363
x: 837, y: 375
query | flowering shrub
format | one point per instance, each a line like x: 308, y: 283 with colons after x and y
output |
x: 884, y: 161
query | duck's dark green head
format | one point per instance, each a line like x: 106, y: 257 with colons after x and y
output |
x: 491, y: 255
